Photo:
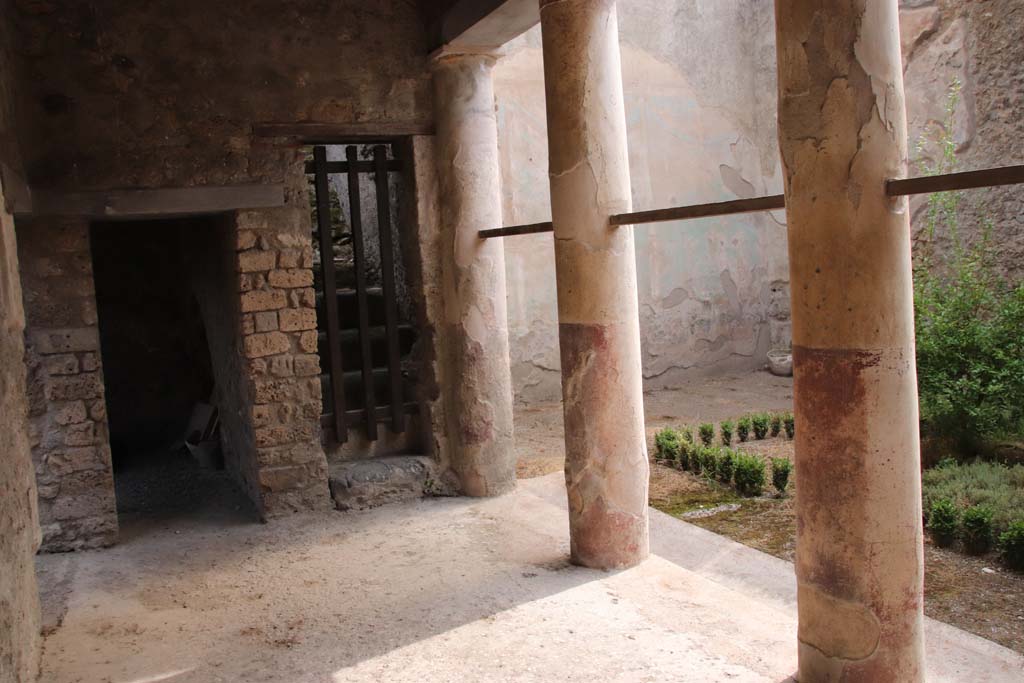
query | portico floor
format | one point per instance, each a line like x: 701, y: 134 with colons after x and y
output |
x: 436, y: 590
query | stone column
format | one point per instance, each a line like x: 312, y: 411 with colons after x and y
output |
x: 606, y: 466
x: 842, y: 133
x: 477, y: 379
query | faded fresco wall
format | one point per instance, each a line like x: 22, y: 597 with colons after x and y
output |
x: 699, y: 84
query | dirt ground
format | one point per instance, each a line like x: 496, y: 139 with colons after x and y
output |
x: 973, y: 593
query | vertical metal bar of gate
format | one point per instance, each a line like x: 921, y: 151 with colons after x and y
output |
x: 390, y: 295
x: 359, y: 256
x: 330, y: 291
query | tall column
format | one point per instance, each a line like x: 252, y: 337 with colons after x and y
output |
x: 477, y: 378
x: 606, y: 469
x: 842, y: 133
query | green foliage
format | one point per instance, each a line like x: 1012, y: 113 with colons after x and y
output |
x: 789, y: 422
x: 776, y: 424
x: 726, y: 428
x: 685, y: 446
x: 707, y: 433
x: 976, y: 530
x: 743, y: 428
x: 968, y: 319
x: 760, y: 422
x: 749, y: 474
x: 943, y: 522
x: 991, y: 485
x: 1011, y: 546
x: 781, y: 467
x: 687, y: 434
x: 708, y: 461
x: 668, y: 444
x: 695, y: 458
x: 726, y: 465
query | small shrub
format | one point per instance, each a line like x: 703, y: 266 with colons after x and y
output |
x: 776, y: 424
x: 749, y: 474
x: 976, y: 530
x: 726, y: 429
x: 726, y: 465
x: 707, y: 433
x: 760, y: 422
x: 743, y: 428
x: 686, y: 433
x: 695, y: 458
x: 668, y: 444
x: 943, y: 521
x: 708, y: 461
x: 992, y: 485
x: 1011, y: 546
x: 684, y: 453
x: 790, y: 424
x: 781, y: 467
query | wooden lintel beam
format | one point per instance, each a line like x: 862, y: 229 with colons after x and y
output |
x: 323, y: 133
x: 155, y: 203
x: 484, y: 23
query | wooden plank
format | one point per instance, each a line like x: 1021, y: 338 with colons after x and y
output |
x: 476, y: 24
x: 359, y: 256
x: 966, y: 180
x: 157, y: 203
x: 387, y: 258
x: 322, y: 132
x: 529, y: 229
x: 361, y: 166
x: 330, y: 287
x: 680, y: 213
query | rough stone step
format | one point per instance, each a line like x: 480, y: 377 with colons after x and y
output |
x: 362, y: 484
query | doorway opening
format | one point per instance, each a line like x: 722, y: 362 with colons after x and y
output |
x: 158, y: 371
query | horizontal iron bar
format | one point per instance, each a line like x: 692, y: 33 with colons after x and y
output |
x: 361, y: 166
x: 989, y: 177
x: 530, y: 229
x: 678, y: 213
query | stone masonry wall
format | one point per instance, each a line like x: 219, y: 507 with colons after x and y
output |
x: 67, y: 412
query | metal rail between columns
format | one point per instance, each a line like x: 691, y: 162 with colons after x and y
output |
x: 966, y: 180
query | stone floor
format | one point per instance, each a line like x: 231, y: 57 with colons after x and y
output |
x: 433, y: 590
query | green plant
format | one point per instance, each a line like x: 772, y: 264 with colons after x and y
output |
x: 776, y: 424
x: 695, y: 458
x: 726, y: 429
x: 668, y: 444
x: 1011, y: 546
x: 707, y: 433
x: 781, y: 467
x: 976, y: 530
x: 943, y: 522
x: 968, y: 318
x: 685, y: 446
x: 726, y: 465
x: 790, y: 424
x: 743, y: 428
x: 760, y: 422
x: 749, y: 474
x: 992, y: 485
x: 708, y: 461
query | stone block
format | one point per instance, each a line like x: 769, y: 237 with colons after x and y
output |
x: 263, y: 300
x: 62, y: 364
x: 245, y: 282
x: 308, y: 341
x: 79, y: 459
x: 292, y: 278
x: 67, y: 340
x: 282, y: 366
x: 98, y: 410
x: 282, y: 478
x: 266, y: 344
x: 307, y: 365
x: 90, y: 362
x: 248, y: 324
x: 282, y: 435
x: 256, y: 260
x: 245, y: 239
x: 303, y: 298
x: 297, y: 319
x: 289, y: 258
x: 274, y: 390
x: 70, y: 413
x: 369, y: 483
x: 257, y: 368
x: 263, y: 415
x: 80, y: 434
x: 74, y: 387
x: 266, y: 321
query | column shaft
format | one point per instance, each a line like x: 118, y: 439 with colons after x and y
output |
x: 842, y: 133
x: 606, y: 467
x: 477, y: 377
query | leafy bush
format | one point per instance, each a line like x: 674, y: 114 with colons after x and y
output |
x: 776, y: 423
x: 992, y: 485
x: 726, y: 465
x: 760, y: 422
x: 708, y: 461
x: 790, y: 424
x: 781, y: 467
x: 1011, y: 546
x: 726, y: 429
x: 743, y: 428
x: 695, y: 458
x: 707, y: 433
x: 749, y: 474
x: 943, y: 522
x: 968, y: 321
x: 684, y: 452
x: 668, y: 444
x: 976, y: 530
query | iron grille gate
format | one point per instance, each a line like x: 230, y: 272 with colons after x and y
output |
x: 360, y: 336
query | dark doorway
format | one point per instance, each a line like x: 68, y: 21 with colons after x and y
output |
x: 156, y: 366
